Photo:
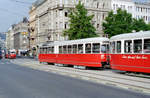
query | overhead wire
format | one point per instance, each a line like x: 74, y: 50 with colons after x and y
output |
x: 14, y: 13
x: 22, y: 2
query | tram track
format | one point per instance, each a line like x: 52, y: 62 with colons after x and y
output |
x: 94, y: 73
x: 94, y: 76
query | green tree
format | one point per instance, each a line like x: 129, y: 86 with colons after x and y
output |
x: 148, y: 26
x: 80, y: 24
x: 139, y: 25
x: 118, y: 23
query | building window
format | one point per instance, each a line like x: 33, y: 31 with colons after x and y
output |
x: 66, y: 25
x: 103, y: 5
x: 103, y: 16
x: 114, y: 6
x: 56, y: 13
x: 66, y: 14
x: 97, y: 4
x: 97, y: 25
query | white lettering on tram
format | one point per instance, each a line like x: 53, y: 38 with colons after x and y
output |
x: 134, y: 57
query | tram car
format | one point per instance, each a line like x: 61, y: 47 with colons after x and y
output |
x: 131, y: 52
x: 89, y: 52
x: 12, y: 54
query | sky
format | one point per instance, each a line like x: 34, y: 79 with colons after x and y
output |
x: 11, y: 12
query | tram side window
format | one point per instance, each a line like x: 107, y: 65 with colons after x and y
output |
x: 80, y: 48
x: 104, y: 48
x: 88, y: 48
x: 128, y: 46
x: 137, y: 46
x: 69, y: 49
x: 48, y: 50
x: 65, y: 49
x: 40, y: 50
x: 118, y: 46
x: 96, y: 48
x: 112, y: 47
x: 74, y: 49
x: 146, y: 45
x: 60, y: 49
x: 52, y: 49
x: 44, y: 50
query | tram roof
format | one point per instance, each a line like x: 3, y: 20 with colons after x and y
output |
x: 79, y: 41
x: 130, y: 36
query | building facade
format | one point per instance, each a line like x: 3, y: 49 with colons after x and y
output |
x: 10, y: 39
x: 139, y: 10
x: 49, y: 18
x: 17, y: 36
x: 33, y: 34
x: 52, y: 17
x: 142, y: 10
x: 21, y: 35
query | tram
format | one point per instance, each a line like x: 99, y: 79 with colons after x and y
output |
x: 89, y: 52
x: 130, y: 52
x: 12, y: 54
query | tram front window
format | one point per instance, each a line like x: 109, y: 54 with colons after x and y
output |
x: 146, y: 46
x: 137, y: 46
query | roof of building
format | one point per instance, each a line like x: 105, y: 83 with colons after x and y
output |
x: 130, y: 36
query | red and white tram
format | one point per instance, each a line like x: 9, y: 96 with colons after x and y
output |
x: 131, y: 52
x: 91, y: 52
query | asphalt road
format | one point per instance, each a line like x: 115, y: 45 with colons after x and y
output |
x: 21, y: 82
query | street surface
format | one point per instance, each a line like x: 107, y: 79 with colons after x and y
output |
x: 22, y: 82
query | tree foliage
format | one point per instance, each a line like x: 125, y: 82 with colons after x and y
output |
x: 80, y: 24
x: 139, y: 25
x: 122, y: 22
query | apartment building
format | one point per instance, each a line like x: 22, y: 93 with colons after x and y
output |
x: 52, y: 17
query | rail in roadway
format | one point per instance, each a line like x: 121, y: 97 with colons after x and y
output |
x: 106, y: 77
